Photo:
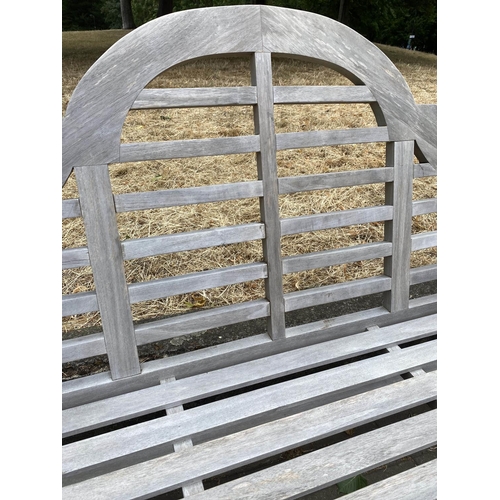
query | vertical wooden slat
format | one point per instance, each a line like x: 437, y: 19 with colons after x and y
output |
x: 398, y: 231
x: 106, y: 259
x: 269, y: 207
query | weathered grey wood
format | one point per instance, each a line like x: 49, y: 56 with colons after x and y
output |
x: 71, y: 208
x: 418, y: 483
x: 188, y: 148
x: 332, y: 293
x: 187, y: 196
x: 195, y: 97
x: 269, y: 206
x: 192, y: 282
x: 150, y: 478
x: 423, y: 274
x: 99, y: 386
x: 327, y: 258
x: 330, y: 220
x: 334, y: 179
x: 423, y: 170
x: 398, y: 194
x: 179, y: 242
x: 328, y: 466
x: 317, y: 138
x: 100, y: 413
x: 423, y: 240
x: 126, y: 446
x: 75, y: 257
x: 154, y: 331
x: 322, y: 94
x: 104, y: 249
x: 79, y: 303
x: 422, y: 207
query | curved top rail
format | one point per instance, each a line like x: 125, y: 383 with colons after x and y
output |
x: 100, y: 103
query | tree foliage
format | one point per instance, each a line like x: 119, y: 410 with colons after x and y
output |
x: 383, y: 21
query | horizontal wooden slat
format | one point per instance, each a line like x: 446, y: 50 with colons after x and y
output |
x: 418, y: 483
x: 334, y: 180
x: 99, y: 386
x: 177, y: 285
x: 325, y: 467
x: 307, y: 223
x: 166, y: 473
x: 327, y: 258
x: 322, y: 94
x: 422, y: 207
x: 75, y: 257
x: 188, y: 148
x: 423, y: 274
x: 318, y: 138
x: 71, y: 208
x: 423, y: 240
x: 423, y: 170
x: 333, y: 293
x: 180, y: 242
x: 185, y: 324
x: 100, y: 413
x: 187, y: 196
x: 79, y: 303
x: 124, y: 447
x: 195, y: 97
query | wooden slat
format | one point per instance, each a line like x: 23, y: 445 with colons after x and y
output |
x: 332, y: 293
x: 422, y: 207
x: 320, y: 469
x: 166, y: 473
x: 322, y: 94
x: 180, y: 242
x: 185, y: 324
x: 308, y: 223
x: 187, y: 196
x: 75, y: 257
x: 269, y: 205
x: 79, y: 303
x: 188, y: 148
x: 105, y: 254
x: 423, y: 274
x: 195, y: 97
x: 192, y: 282
x: 318, y: 138
x: 327, y: 258
x: 71, y: 208
x: 99, y: 386
x: 119, y: 408
x: 423, y: 170
x: 418, y: 483
x: 334, y: 180
x: 423, y: 240
x: 398, y: 194
x: 125, y: 446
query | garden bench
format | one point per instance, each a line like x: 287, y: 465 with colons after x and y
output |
x: 292, y: 409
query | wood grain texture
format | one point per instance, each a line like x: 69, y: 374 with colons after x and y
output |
x: 75, y: 257
x: 71, y: 208
x: 422, y: 207
x: 269, y: 204
x: 79, y: 303
x: 124, y: 447
x: 105, y: 254
x: 318, y: 94
x: 187, y: 98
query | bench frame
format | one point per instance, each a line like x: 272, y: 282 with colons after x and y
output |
x: 92, y: 140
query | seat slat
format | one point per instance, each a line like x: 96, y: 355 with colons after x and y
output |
x: 323, y: 468
x: 168, y: 472
x: 100, y: 413
x: 129, y: 445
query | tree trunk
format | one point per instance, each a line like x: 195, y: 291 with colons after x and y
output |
x: 127, y: 16
x: 165, y: 7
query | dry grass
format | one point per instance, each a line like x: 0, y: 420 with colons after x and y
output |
x: 420, y: 72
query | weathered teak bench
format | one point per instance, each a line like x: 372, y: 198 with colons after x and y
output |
x: 141, y: 430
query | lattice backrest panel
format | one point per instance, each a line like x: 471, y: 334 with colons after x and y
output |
x: 259, y: 223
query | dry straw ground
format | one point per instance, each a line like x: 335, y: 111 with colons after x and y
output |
x: 79, y: 52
